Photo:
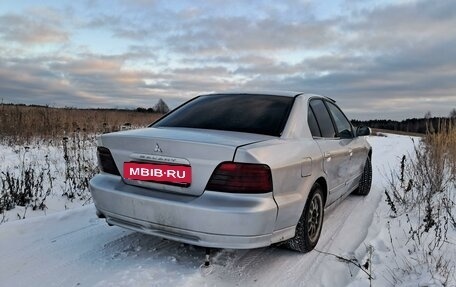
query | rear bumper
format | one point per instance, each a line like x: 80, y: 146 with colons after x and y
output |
x: 214, y: 219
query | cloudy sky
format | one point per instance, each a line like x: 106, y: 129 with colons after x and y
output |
x: 377, y: 59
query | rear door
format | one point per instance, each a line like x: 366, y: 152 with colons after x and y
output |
x: 334, y: 150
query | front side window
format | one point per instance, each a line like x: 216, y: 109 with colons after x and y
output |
x: 342, y: 124
x: 323, y: 119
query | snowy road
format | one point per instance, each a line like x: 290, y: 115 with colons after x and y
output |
x: 74, y: 248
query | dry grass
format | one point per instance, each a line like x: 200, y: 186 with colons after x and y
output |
x: 423, y: 201
x: 441, y: 148
x: 73, y: 133
x: 18, y: 124
x: 429, y: 172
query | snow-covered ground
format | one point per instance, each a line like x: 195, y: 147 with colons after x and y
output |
x: 54, y: 171
x: 74, y: 248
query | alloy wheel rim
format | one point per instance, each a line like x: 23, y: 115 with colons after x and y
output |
x: 314, y: 217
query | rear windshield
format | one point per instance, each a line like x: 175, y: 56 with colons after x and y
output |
x: 258, y: 114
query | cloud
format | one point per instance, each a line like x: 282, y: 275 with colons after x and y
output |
x: 39, y: 26
x: 403, y: 25
x: 66, y: 82
x: 388, y: 60
x: 240, y: 34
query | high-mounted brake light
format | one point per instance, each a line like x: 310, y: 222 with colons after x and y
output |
x: 106, y: 161
x: 241, y: 178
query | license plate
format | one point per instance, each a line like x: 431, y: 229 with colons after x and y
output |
x: 173, y: 174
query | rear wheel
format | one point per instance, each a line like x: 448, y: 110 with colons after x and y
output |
x: 365, y: 182
x: 309, y: 225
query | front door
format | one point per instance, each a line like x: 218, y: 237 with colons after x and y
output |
x: 334, y: 149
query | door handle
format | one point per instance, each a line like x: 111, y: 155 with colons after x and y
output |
x: 350, y: 152
x: 327, y: 156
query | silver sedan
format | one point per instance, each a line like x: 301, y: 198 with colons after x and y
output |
x: 234, y: 170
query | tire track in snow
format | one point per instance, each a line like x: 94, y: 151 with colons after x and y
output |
x: 52, y: 254
x: 253, y: 267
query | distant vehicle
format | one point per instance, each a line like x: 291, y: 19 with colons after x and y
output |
x: 234, y: 170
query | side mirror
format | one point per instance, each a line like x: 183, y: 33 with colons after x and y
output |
x: 363, y: 131
x: 346, y: 134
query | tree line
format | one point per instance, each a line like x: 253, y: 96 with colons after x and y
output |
x: 414, y: 125
x: 160, y: 107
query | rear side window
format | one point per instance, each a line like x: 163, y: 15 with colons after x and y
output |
x: 313, y: 123
x: 323, y: 119
x: 259, y: 114
x: 339, y: 118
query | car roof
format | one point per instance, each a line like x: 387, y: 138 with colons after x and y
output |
x: 272, y: 93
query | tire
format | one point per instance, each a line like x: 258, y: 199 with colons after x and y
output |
x: 365, y: 181
x: 310, y: 223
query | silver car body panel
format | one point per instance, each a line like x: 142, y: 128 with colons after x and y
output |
x: 213, y: 219
x: 202, y: 149
x: 216, y: 219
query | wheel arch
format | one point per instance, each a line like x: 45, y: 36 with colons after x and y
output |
x: 322, y: 182
x: 301, y: 241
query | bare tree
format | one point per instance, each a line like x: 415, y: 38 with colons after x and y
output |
x: 429, y: 125
x: 161, y: 107
x: 453, y: 113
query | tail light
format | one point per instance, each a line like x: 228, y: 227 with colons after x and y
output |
x: 106, y: 162
x: 241, y: 178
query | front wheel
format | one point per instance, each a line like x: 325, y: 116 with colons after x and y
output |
x: 310, y: 223
x: 365, y: 182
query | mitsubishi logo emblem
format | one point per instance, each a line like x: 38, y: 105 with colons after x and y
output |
x: 157, y: 148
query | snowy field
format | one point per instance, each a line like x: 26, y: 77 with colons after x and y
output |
x: 74, y: 248
x: 52, y: 175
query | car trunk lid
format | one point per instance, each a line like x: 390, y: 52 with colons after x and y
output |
x: 200, y: 149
